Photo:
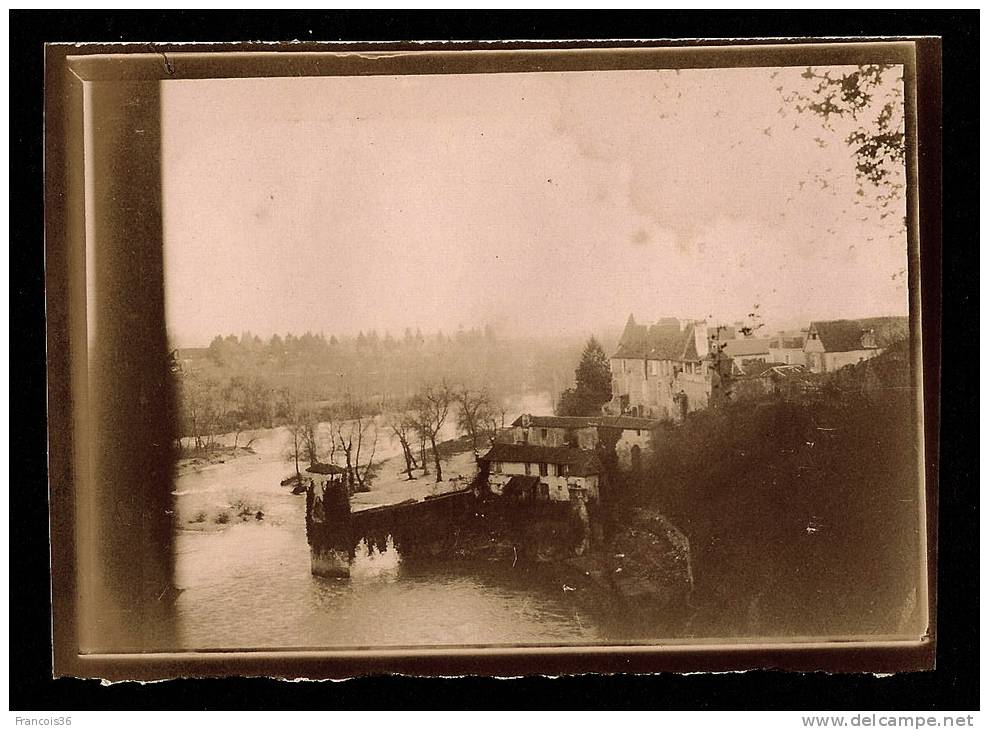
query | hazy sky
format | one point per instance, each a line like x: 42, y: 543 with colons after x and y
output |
x: 540, y: 202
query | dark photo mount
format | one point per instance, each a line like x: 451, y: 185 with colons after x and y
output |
x: 840, y: 659
x: 121, y: 590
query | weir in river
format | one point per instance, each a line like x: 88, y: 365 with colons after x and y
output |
x: 466, y: 523
x: 335, y: 531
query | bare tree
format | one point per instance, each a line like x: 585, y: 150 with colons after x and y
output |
x: 423, y: 438
x: 475, y: 415
x: 431, y: 406
x: 502, y: 412
x: 354, y: 431
x: 296, y: 429
x: 365, y: 473
x: 296, y: 449
x: 402, y: 426
x: 203, y: 406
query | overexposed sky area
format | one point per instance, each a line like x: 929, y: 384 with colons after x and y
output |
x: 537, y: 202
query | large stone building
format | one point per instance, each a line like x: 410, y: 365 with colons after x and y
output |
x: 632, y: 437
x: 661, y: 370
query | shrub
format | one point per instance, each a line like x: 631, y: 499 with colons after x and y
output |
x: 246, y: 508
x: 802, y: 517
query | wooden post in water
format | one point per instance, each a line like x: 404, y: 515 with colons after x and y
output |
x: 331, y: 544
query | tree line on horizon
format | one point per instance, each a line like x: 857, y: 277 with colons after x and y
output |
x: 223, y: 349
x: 239, y: 384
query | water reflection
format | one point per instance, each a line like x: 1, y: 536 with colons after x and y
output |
x: 248, y: 585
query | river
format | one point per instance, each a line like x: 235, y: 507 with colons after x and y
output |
x: 248, y: 584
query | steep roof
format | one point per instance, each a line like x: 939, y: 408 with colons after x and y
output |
x: 788, y: 340
x: 746, y: 347
x: 556, y: 421
x: 661, y: 341
x: 840, y: 335
x: 787, y: 343
x: 845, y: 335
x: 887, y: 330
x: 580, y: 461
x: 575, y: 422
x: 721, y: 332
x: 628, y: 422
x: 773, y: 369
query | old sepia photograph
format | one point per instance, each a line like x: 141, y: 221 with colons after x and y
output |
x: 511, y: 349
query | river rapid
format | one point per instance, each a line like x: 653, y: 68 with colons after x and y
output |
x: 247, y: 584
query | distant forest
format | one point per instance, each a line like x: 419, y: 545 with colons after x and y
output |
x: 246, y: 382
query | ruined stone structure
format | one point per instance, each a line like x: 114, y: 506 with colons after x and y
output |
x: 334, y: 531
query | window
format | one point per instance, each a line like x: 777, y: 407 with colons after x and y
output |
x: 544, y: 470
x: 544, y: 433
x: 528, y: 468
x: 561, y: 470
x: 638, y: 432
x: 496, y: 467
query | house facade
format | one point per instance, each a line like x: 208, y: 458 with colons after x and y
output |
x: 787, y: 348
x: 553, y: 473
x: 746, y: 350
x: 633, y: 437
x: 831, y: 345
x: 555, y: 431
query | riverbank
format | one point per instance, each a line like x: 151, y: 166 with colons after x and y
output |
x: 392, y: 485
x: 189, y: 461
x: 209, y: 512
x: 637, y: 576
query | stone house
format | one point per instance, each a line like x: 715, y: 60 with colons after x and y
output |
x: 787, y: 348
x: 577, y: 431
x: 660, y: 371
x: 831, y: 345
x: 745, y: 350
x: 553, y: 473
x: 632, y: 436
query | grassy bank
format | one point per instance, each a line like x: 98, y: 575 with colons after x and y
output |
x: 192, y: 460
